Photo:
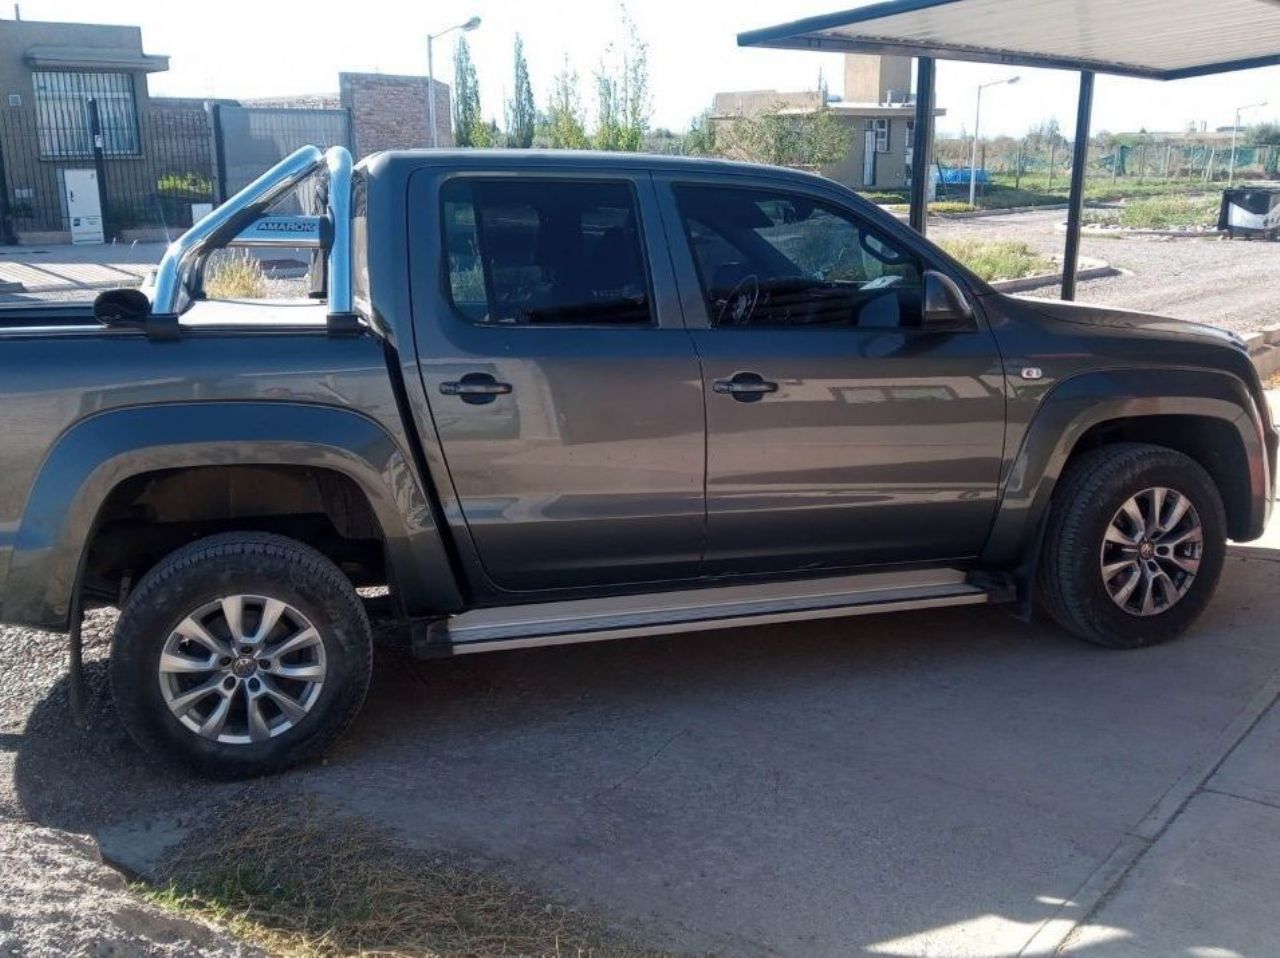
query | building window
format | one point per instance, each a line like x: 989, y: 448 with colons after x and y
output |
x: 62, y: 113
x: 881, y: 127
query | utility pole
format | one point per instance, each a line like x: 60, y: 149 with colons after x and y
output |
x: 1231, y: 168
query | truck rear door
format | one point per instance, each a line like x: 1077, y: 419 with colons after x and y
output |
x: 565, y: 392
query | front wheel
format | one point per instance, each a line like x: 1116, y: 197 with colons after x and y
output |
x: 240, y: 654
x: 1134, y: 547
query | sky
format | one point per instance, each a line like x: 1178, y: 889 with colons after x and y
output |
x: 249, y: 48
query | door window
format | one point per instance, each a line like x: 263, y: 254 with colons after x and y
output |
x: 769, y: 259
x: 545, y: 252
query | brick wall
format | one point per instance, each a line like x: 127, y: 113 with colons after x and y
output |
x: 390, y: 112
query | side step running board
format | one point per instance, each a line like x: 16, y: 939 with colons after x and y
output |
x: 693, y: 610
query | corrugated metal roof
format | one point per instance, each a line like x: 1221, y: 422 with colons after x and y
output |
x: 1159, y: 39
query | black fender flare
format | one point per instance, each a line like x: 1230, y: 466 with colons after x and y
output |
x: 98, y: 453
x: 1076, y: 405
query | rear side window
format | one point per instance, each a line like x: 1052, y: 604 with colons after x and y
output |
x: 534, y: 252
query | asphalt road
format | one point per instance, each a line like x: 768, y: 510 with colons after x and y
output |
x: 920, y: 784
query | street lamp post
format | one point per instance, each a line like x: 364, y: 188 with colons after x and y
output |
x: 1231, y: 167
x: 431, y: 73
x: 977, y: 120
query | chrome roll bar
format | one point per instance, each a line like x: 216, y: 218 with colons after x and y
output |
x: 338, y: 162
x: 221, y: 227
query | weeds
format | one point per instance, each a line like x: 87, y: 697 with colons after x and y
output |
x: 1161, y: 213
x: 303, y: 882
x: 998, y: 260
x: 236, y: 275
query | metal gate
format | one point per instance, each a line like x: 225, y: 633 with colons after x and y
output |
x: 252, y: 139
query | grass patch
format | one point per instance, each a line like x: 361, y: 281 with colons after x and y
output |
x: 1161, y: 213
x: 304, y: 882
x: 1034, y: 190
x: 1000, y: 259
x: 236, y: 275
x: 884, y: 197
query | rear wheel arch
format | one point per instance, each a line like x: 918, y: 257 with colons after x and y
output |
x: 149, y: 515
x: 91, y: 461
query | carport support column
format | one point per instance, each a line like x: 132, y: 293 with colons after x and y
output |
x: 922, y: 143
x: 1075, y: 204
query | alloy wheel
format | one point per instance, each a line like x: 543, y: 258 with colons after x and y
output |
x: 242, y: 669
x: 1151, y: 551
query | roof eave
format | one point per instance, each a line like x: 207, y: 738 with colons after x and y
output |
x: 91, y: 58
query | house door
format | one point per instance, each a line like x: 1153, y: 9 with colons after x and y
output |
x: 869, y: 158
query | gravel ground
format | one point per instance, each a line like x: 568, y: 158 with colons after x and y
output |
x: 56, y: 896
x: 1222, y: 282
x: 58, y: 899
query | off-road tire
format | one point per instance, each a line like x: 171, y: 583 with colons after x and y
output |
x: 1085, y: 500
x: 239, y: 563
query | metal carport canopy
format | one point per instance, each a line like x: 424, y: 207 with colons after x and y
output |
x: 1154, y: 39
x: 1151, y: 39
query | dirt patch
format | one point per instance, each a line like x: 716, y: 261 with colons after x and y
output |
x: 57, y: 898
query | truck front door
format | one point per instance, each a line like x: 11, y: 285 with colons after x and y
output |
x: 839, y: 432
x: 566, y: 396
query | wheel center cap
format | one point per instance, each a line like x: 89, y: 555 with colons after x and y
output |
x: 244, y: 667
x: 1146, y: 550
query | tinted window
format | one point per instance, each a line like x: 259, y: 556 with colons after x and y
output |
x: 527, y: 252
x: 778, y: 259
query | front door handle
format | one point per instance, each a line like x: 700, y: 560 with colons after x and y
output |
x: 476, y: 388
x: 745, y: 387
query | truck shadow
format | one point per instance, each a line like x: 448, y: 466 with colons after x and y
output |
x: 81, y: 780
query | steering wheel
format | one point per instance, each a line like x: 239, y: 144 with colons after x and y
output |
x: 736, y: 308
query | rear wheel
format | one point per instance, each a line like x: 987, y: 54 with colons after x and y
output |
x: 1134, y: 547
x: 241, y: 654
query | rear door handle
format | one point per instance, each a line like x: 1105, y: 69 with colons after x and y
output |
x: 745, y: 387
x: 476, y: 388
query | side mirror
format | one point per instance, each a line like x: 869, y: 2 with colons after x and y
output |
x: 945, y: 306
x: 131, y: 309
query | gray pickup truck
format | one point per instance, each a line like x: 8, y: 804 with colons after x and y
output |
x: 545, y: 398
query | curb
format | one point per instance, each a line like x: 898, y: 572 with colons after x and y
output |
x: 1097, y: 270
x: 1264, y: 350
x: 1055, y: 933
x: 1168, y: 234
x: 1003, y: 211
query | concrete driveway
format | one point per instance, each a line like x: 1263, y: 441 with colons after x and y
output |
x: 942, y: 783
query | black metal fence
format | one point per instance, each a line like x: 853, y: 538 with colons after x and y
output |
x: 155, y: 168
x: 151, y: 169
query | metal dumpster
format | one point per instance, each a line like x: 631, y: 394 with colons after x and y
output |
x: 1251, y: 211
